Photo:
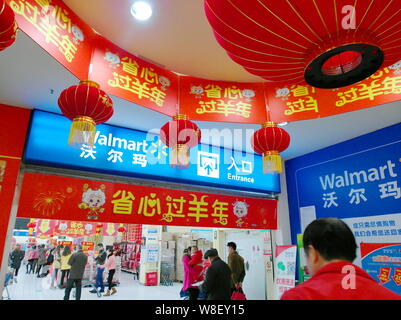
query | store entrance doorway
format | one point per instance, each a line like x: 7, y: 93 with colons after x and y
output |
x: 250, y: 247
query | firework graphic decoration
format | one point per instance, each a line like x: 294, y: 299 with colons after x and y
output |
x: 48, y: 203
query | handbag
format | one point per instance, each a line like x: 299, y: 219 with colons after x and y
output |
x: 238, y: 294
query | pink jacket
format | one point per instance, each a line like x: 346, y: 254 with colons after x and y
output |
x: 33, y: 254
x: 111, y: 262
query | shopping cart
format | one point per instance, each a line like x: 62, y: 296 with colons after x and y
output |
x: 167, y: 270
x: 7, y: 282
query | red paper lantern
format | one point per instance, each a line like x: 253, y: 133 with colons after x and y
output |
x: 86, y: 105
x: 8, y: 26
x: 31, y: 225
x: 270, y: 141
x: 180, y: 135
x: 121, y: 229
x: 290, y: 41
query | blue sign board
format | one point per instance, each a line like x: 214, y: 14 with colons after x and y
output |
x: 19, y: 233
x: 127, y: 152
x: 357, y: 178
x: 384, y: 266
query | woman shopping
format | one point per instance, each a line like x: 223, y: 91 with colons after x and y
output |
x: 111, y: 266
x: 65, y: 267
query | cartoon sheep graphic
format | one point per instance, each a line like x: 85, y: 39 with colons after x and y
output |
x: 113, y: 59
x: 240, y: 211
x: 396, y: 67
x: 248, y: 94
x: 93, y: 200
x: 197, y: 91
x: 165, y: 82
x: 78, y: 34
x: 283, y: 93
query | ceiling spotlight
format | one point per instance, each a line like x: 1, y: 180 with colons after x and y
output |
x: 141, y: 10
x: 282, y: 124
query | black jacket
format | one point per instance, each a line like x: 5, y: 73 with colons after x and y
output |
x: 101, y: 258
x: 16, y: 258
x: 77, y: 262
x: 217, y: 284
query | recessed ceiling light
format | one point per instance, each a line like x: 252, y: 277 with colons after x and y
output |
x: 282, y: 124
x: 141, y: 10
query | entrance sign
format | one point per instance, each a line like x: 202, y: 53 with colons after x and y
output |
x: 136, y: 153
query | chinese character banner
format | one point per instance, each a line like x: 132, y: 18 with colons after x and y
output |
x: 297, y: 102
x: 55, y: 27
x: 382, y: 261
x: 203, y: 99
x: 69, y: 40
x: 131, y: 78
x: 64, y: 198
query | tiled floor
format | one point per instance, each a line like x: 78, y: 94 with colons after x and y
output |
x: 29, y: 287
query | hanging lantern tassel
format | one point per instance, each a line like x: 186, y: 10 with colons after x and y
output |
x: 179, y: 157
x: 272, y: 162
x: 82, y: 132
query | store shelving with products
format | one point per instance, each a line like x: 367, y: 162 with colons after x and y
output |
x: 130, y: 257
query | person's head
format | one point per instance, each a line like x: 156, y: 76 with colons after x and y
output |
x: 194, y: 249
x: 17, y: 249
x: 100, y: 246
x: 327, y: 240
x: 66, y: 251
x: 79, y: 247
x: 232, y: 247
x: 210, y: 255
x: 110, y: 252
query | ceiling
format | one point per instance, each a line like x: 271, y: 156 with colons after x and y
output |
x: 30, y: 78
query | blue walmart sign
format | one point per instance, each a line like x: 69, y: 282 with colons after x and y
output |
x: 122, y: 151
x: 357, y: 178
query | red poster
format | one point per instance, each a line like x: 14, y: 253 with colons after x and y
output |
x: 208, y: 100
x: 75, y: 229
x: 52, y: 25
x: 65, y: 243
x: 296, y: 102
x: 126, y: 76
x: 88, y: 246
x: 133, y: 233
x: 64, y: 198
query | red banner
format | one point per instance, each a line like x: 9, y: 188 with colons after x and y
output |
x: 65, y: 243
x: 296, y: 102
x: 133, y: 233
x: 208, y: 100
x: 52, y: 25
x: 68, y: 39
x: 67, y: 198
x: 126, y: 76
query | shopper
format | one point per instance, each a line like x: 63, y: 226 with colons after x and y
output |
x: 100, y: 261
x: 195, y: 269
x: 77, y: 261
x: 117, y: 275
x: 41, y: 259
x: 330, y: 248
x: 237, y: 266
x: 217, y: 284
x: 26, y: 258
x: 56, y: 266
x: 65, y: 267
x: 187, y: 275
x: 33, y: 259
x: 111, y: 267
x: 16, y: 257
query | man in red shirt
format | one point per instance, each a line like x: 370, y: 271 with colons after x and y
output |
x: 330, y: 248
